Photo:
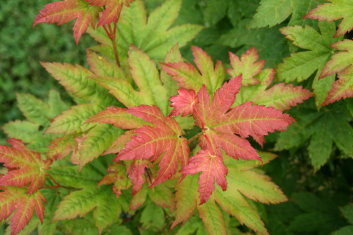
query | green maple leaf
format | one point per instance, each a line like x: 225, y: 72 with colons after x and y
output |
x: 301, y: 65
x: 273, y: 12
x: 152, y: 34
x: 88, y: 197
x: 322, y: 130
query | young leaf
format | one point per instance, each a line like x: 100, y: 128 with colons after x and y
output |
x: 220, y: 123
x: 64, y: 11
x: 248, y: 66
x: 213, y: 169
x: 189, y: 77
x: 150, y: 142
x: 156, y: 34
x: 25, y: 168
x: 256, y: 82
x: 17, y: 202
x: 34, y: 109
x: 335, y: 10
x: 112, y: 9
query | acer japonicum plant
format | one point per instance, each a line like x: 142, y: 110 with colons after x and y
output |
x: 151, y: 135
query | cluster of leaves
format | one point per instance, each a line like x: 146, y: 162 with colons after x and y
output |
x: 155, y: 140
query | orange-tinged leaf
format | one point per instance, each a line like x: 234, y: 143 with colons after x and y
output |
x: 163, y: 139
x: 189, y: 77
x: 25, y: 167
x: 17, y: 202
x: 248, y: 65
x: 118, y: 117
x: 282, y: 96
x: 64, y: 11
x: 112, y: 9
x: 213, y: 169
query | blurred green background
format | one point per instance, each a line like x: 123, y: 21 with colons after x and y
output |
x: 21, y: 50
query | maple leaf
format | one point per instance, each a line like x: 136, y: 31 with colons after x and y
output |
x: 156, y: 33
x: 342, y: 88
x: 16, y: 201
x: 341, y: 60
x: 212, y: 167
x: 301, y: 65
x: 273, y: 12
x: 164, y: 138
x: 337, y: 9
x: 25, y: 167
x: 190, y: 77
x: 112, y: 9
x: 220, y: 123
x: 64, y: 11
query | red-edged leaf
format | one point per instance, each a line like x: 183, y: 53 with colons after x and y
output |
x: 253, y: 120
x: 189, y: 77
x: 17, y: 202
x: 342, y: 88
x: 183, y: 103
x: 282, y: 96
x: 337, y: 9
x: 150, y: 142
x: 112, y: 9
x: 248, y: 65
x: 340, y: 60
x: 118, y: 117
x: 25, y: 167
x: 61, y: 147
x: 64, y: 11
x: 213, y: 169
x: 119, y: 143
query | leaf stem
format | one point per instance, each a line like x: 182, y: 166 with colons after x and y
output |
x: 111, y: 32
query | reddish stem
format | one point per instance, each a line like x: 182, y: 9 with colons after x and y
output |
x: 111, y: 32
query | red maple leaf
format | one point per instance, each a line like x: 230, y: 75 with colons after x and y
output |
x: 25, y: 167
x: 112, y: 9
x: 212, y: 167
x: 17, y: 202
x: 161, y: 142
x: 226, y: 128
x: 64, y: 11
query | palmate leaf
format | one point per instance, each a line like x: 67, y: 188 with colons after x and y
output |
x: 273, y: 12
x: 233, y: 200
x: 150, y: 142
x: 25, y: 167
x: 106, y: 207
x: 321, y: 130
x: 146, y: 77
x: 335, y: 10
x: 219, y: 123
x: 301, y: 65
x: 156, y: 36
x: 256, y: 83
x: 16, y: 202
x: 64, y: 11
